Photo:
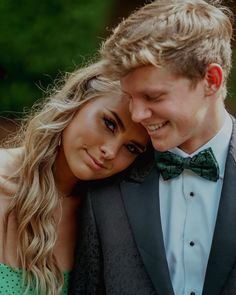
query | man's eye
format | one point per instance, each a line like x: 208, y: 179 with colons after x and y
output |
x: 110, y: 124
x: 154, y: 97
x: 133, y: 149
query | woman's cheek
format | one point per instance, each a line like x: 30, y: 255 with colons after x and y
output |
x: 124, y: 162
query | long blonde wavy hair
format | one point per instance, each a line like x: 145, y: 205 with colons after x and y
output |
x: 37, y: 197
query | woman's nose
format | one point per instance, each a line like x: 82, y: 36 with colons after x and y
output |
x: 109, y: 150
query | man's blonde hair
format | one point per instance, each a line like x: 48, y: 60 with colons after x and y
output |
x: 185, y: 35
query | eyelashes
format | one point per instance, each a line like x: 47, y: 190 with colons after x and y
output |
x: 133, y: 149
x: 111, y: 125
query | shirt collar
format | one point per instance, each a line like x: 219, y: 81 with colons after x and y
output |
x: 219, y: 144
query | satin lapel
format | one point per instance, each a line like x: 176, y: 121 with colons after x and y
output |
x: 142, y: 206
x: 223, y: 250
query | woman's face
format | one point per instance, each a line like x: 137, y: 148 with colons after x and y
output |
x: 101, y: 139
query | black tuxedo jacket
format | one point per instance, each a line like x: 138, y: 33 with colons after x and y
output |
x: 121, y: 250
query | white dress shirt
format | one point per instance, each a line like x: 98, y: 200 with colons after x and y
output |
x: 189, y: 205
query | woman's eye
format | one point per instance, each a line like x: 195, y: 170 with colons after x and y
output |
x: 133, y: 149
x: 110, y: 124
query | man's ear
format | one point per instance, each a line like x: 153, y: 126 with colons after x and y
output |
x: 213, y: 78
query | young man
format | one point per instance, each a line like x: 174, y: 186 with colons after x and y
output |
x: 168, y: 228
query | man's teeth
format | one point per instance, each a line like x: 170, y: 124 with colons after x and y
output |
x: 154, y: 127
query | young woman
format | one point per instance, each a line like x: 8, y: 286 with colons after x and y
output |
x: 82, y: 132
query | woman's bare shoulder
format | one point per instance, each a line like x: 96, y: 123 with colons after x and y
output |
x: 10, y: 161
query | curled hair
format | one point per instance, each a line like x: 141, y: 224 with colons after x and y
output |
x: 37, y: 197
x: 185, y: 35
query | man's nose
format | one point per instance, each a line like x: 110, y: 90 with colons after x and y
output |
x: 139, y: 110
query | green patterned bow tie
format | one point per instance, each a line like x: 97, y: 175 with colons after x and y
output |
x: 204, y: 164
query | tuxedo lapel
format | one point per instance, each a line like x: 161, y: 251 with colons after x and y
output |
x: 223, y: 251
x: 141, y: 201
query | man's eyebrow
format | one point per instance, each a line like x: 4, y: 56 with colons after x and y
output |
x: 156, y: 92
x: 119, y: 122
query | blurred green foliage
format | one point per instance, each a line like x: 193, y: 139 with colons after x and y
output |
x: 232, y: 80
x: 40, y: 39
x: 231, y: 99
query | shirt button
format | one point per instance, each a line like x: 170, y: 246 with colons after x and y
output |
x: 192, y: 194
x: 192, y: 244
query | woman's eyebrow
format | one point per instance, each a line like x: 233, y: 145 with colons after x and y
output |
x: 139, y: 145
x: 119, y: 121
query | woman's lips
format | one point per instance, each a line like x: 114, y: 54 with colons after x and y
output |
x: 97, y: 165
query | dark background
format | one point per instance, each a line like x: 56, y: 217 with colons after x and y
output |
x: 39, y: 41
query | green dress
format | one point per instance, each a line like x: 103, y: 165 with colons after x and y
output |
x: 11, y: 281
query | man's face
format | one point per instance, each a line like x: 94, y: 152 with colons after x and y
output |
x: 174, y: 113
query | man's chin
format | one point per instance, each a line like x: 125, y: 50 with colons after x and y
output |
x: 160, y: 148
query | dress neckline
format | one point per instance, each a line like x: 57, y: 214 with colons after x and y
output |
x: 17, y: 269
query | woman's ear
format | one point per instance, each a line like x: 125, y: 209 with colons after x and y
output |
x: 213, y: 78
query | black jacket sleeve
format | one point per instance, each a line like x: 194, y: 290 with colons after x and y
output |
x: 86, y: 277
